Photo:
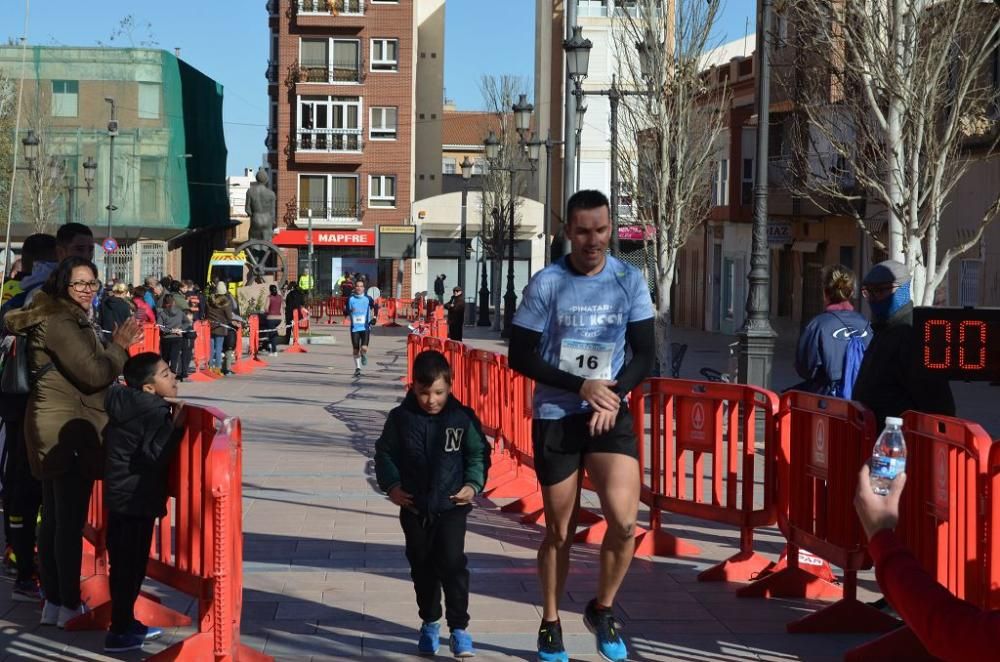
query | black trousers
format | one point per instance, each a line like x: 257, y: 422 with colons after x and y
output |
x: 60, y: 539
x: 129, y: 538
x: 270, y: 337
x: 455, y: 331
x: 22, y: 499
x: 187, y: 353
x: 172, y: 349
x: 435, y: 548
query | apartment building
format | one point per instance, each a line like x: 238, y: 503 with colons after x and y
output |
x: 164, y: 173
x: 351, y: 139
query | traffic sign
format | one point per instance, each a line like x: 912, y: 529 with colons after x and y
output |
x: 110, y: 245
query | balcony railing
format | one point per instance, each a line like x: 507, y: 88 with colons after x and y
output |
x: 328, y: 140
x: 347, y: 71
x: 272, y: 7
x: 271, y: 141
x: 339, y: 211
x: 332, y: 7
x: 272, y: 72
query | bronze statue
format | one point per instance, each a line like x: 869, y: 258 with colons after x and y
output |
x: 260, y: 208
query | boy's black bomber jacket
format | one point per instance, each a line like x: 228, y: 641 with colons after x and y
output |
x: 139, y: 444
x: 431, y: 456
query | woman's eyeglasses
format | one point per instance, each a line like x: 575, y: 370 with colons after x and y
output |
x: 85, y: 285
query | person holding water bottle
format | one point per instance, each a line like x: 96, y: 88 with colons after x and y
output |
x: 949, y: 628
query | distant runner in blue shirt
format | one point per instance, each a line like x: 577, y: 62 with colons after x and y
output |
x: 570, y: 335
x: 360, y: 313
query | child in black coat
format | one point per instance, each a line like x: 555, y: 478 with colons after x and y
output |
x: 146, y: 421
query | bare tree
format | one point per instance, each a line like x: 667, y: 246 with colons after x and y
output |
x: 39, y: 190
x: 499, y: 94
x: 8, y: 110
x: 893, y: 94
x: 670, y: 136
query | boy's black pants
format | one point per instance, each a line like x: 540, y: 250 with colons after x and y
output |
x: 129, y: 538
x: 435, y: 548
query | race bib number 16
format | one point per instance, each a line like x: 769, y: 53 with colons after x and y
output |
x: 590, y: 360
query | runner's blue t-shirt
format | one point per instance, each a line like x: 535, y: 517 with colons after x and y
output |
x: 582, y: 320
x: 359, y: 308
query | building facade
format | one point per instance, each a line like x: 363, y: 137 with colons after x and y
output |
x: 165, y: 176
x: 345, y: 144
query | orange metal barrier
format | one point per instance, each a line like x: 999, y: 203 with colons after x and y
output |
x: 455, y: 351
x: 150, y: 340
x: 823, y: 442
x: 945, y: 519
x: 255, y: 341
x: 242, y: 365
x: 202, y: 352
x: 295, y: 347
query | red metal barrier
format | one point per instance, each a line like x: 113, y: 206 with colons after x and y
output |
x: 241, y: 362
x: 519, y: 482
x: 455, y: 353
x: 255, y: 341
x: 295, y: 347
x: 150, y: 340
x: 823, y: 442
x: 202, y: 352
x: 944, y: 519
x: 726, y: 424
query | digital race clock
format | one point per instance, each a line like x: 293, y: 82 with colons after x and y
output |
x: 959, y: 343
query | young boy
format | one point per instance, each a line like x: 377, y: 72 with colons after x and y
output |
x: 432, y: 461
x: 145, y: 423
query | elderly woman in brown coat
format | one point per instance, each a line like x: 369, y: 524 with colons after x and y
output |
x: 64, y: 419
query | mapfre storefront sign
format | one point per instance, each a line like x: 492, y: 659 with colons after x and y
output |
x: 297, y: 238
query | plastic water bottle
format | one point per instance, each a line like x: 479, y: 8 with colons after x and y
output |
x: 888, y: 456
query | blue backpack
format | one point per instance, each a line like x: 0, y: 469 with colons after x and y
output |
x: 853, y: 357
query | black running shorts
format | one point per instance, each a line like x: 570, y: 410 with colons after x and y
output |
x: 359, y: 339
x: 560, y: 444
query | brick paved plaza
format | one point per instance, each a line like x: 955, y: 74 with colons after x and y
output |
x: 325, y: 575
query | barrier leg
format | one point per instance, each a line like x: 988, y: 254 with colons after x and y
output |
x: 96, y: 593
x: 201, y: 646
x: 847, y: 615
x: 522, y: 483
x: 742, y: 566
x: 793, y: 581
x: 657, y: 542
x: 900, y: 644
x: 295, y: 347
x: 526, y: 504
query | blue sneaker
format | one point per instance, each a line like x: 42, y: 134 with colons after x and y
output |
x: 119, y: 643
x: 601, y: 622
x: 461, y: 644
x: 147, y: 632
x: 430, y: 639
x: 550, y: 644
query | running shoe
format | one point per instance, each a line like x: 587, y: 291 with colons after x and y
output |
x: 66, y: 614
x: 25, y: 590
x: 550, y: 644
x: 357, y: 372
x: 602, y: 623
x: 119, y: 643
x: 147, y: 632
x: 430, y: 639
x: 461, y: 644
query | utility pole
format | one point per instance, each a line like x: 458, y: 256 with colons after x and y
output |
x: 112, y: 132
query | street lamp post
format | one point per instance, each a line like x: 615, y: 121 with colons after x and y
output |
x: 89, y: 170
x: 757, y: 337
x: 466, y: 166
x: 508, y: 162
x: 484, y: 288
x: 112, y: 132
x: 577, y: 60
x: 30, y: 143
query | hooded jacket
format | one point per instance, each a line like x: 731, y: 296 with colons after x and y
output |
x: 891, y: 380
x: 115, y: 311
x: 139, y: 443
x: 170, y: 318
x: 65, y: 413
x: 431, y: 456
x: 219, y: 314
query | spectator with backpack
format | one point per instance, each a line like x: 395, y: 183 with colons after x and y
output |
x: 833, y: 344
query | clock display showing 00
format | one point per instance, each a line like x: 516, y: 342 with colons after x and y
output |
x: 959, y: 343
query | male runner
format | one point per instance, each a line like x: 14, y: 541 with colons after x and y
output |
x: 569, y: 335
x: 359, y: 311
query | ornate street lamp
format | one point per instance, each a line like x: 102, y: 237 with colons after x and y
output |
x: 466, y: 166
x: 522, y: 115
x: 30, y: 143
x: 577, y: 54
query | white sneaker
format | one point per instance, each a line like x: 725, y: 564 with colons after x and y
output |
x: 50, y: 613
x: 66, y: 614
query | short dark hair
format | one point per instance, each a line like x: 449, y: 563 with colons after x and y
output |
x: 429, y: 366
x: 585, y: 200
x: 140, y: 369
x: 37, y: 248
x: 175, y: 286
x: 69, y: 231
x: 58, y: 283
x: 273, y: 289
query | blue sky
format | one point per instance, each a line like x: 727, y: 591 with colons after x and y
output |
x: 228, y: 40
